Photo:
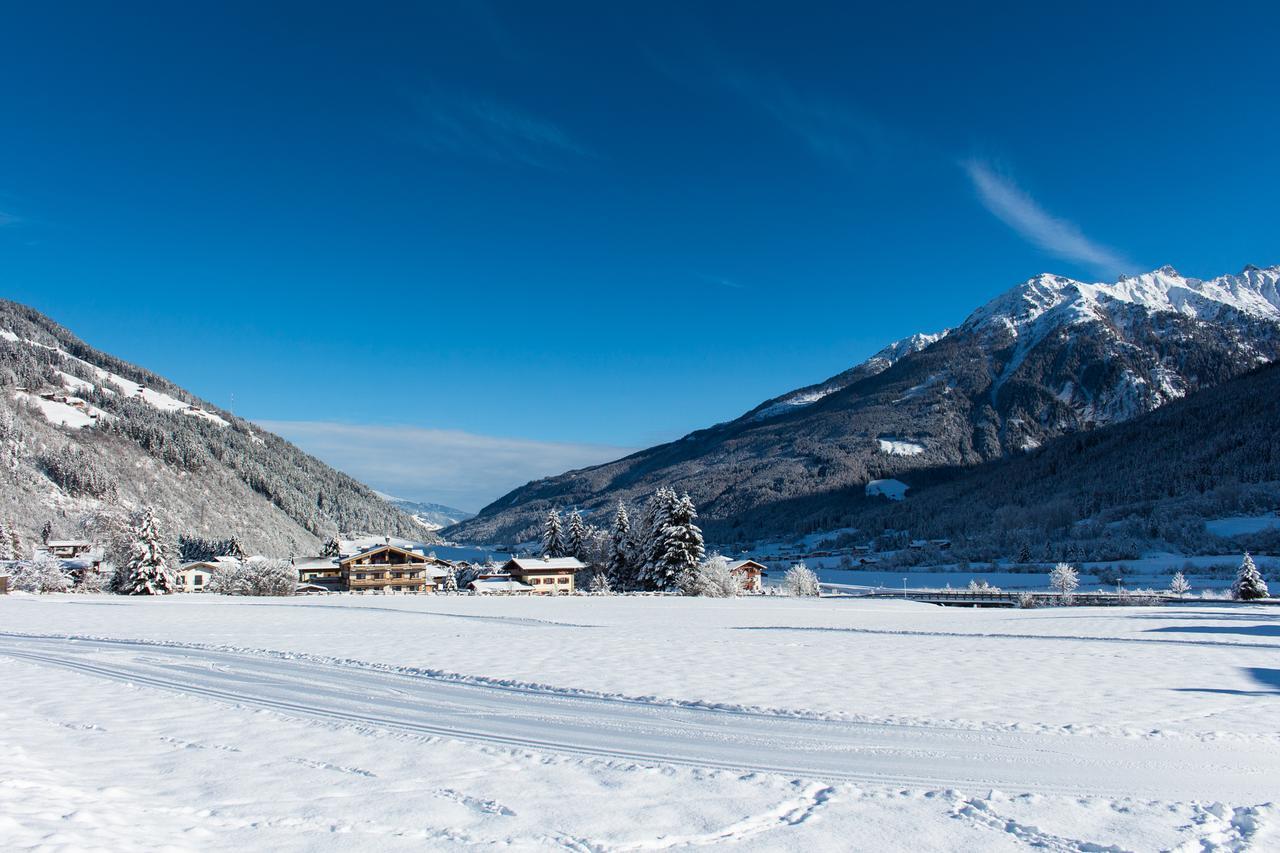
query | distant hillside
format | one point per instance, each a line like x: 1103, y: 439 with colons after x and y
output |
x: 1050, y: 357
x: 431, y: 516
x: 85, y: 438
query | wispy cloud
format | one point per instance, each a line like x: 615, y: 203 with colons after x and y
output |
x: 1016, y: 208
x: 723, y: 282
x: 448, y: 466
x: 834, y: 130
x: 468, y: 125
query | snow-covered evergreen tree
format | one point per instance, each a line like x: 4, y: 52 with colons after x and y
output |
x: 1179, y: 585
x: 46, y: 532
x: 553, y: 535
x: 651, y: 545
x: 682, y: 548
x: 449, y: 583
x: 621, y: 549
x: 332, y: 548
x: 6, y: 544
x: 15, y: 541
x: 234, y: 549
x: 576, y: 543
x: 147, y: 572
x: 1249, y: 584
x: 41, y: 574
x: 600, y: 584
x: 1064, y: 578
x: 800, y: 580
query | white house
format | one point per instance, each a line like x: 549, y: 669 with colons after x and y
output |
x: 195, y: 577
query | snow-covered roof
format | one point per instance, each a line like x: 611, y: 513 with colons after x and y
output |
x: 198, y: 566
x: 67, y: 543
x: 316, y: 563
x: 500, y: 585
x: 545, y: 564
x: 734, y: 565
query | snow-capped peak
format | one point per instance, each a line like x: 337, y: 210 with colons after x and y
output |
x: 1254, y: 292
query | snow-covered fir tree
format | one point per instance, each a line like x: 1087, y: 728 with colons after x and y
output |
x: 651, y: 545
x: 15, y: 540
x: 576, y: 542
x: 621, y: 549
x: 599, y: 584
x: 553, y: 535
x: 46, y: 532
x: 332, y: 548
x: 147, y: 572
x: 1249, y: 584
x: 6, y: 544
x: 234, y: 549
x: 449, y: 583
x: 1179, y: 585
x: 682, y: 549
x: 800, y: 580
x: 1064, y: 578
x: 711, y: 578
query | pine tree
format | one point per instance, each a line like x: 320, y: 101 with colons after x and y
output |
x: 621, y: 548
x: 16, y: 541
x: 577, y: 543
x: 6, y: 544
x: 1249, y: 584
x: 1179, y: 586
x: 46, y: 532
x: 600, y: 584
x: 234, y: 549
x: 682, y: 545
x: 147, y: 572
x: 552, y: 535
x: 450, y: 581
x: 332, y: 548
x: 652, y: 546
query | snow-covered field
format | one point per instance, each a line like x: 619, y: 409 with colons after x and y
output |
x: 634, y: 723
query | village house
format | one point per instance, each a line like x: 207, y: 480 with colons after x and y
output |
x: 195, y: 576
x: 321, y: 572
x: 749, y: 574
x: 546, y: 575
x: 499, y: 585
x: 389, y: 567
x: 67, y: 549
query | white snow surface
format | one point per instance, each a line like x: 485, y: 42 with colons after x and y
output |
x: 1242, y: 525
x: 894, y: 490
x: 387, y: 722
x: 898, y: 447
x: 61, y: 414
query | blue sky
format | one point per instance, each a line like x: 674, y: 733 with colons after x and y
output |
x: 453, y: 246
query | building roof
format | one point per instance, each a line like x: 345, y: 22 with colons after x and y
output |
x: 198, y: 565
x: 734, y: 565
x: 546, y: 564
x: 67, y: 543
x: 500, y: 585
x: 312, y: 563
x: 383, y: 546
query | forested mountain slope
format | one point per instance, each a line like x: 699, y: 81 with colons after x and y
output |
x: 1050, y: 357
x: 1147, y: 483
x: 86, y: 438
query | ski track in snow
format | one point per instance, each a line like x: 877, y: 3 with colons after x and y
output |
x: 656, y: 735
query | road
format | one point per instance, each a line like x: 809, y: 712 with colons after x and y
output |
x: 656, y: 733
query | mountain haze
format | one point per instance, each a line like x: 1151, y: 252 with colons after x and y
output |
x: 1050, y: 357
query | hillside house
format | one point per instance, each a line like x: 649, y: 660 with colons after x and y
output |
x: 749, y: 573
x: 67, y: 549
x: 390, y: 567
x: 546, y: 575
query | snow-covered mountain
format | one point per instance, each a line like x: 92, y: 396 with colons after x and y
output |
x: 1048, y: 357
x: 86, y: 438
x: 432, y: 516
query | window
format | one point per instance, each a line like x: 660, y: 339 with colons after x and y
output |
x: 563, y: 580
x: 199, y: 580
x: 360, y: 577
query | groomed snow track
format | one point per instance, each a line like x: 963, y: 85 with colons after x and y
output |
x: 652, y: 733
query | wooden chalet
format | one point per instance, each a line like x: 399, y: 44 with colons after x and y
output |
x: 546, y: 575
x: 320, y: 571
x: 750, y: 573
x: 66, y: 549
x: 392, y: 568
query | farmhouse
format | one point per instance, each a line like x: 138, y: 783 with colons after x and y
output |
x: 546, y: 575
x: 499, y: 585
x: 67, y: 549
x: 390, y: 567
x: 749, y: 573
